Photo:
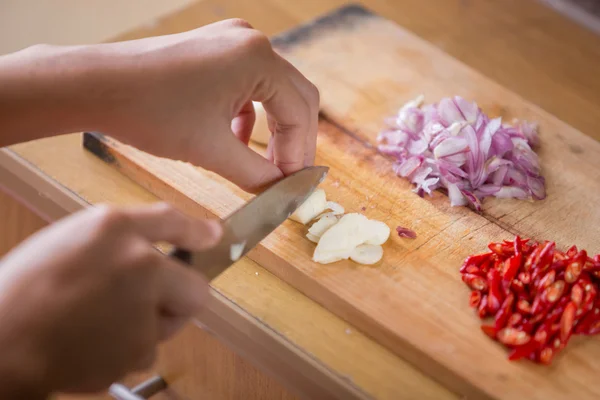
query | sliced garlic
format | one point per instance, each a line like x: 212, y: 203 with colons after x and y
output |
x: 367, y: 254
x: 236, y: 250
x: 261, y: 133
x: 338, y: 242
x: 320, y: 227
x: 336, y: 208
x: 379, y: 232
x: 312, y: 207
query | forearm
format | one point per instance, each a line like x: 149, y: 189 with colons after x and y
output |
x: 52, y: 90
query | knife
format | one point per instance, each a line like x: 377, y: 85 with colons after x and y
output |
x: 254, y: 221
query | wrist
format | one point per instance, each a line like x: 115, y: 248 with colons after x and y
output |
x: 52, y: 90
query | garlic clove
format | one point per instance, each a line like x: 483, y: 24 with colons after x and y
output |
x: 367, y: 254
x: 312, y: 207
x: 322, y: 225
x: 379, y: 232
x: 313, y: 238
x: 336, y: 208
x: 339, y: 241
x: 236, y: 250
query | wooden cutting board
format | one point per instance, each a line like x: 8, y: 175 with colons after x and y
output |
x: 414, y: 301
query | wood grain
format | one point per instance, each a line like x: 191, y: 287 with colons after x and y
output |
x: 520, y: 44
x: 358, y: 89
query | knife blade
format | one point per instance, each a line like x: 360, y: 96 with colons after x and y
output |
x: 251, y: 223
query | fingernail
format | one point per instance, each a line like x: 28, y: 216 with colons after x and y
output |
x: 212, y: 233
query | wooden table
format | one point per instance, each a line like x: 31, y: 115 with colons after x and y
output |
x: 519, y: 43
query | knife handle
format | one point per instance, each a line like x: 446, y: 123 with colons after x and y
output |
x: 182, y: 255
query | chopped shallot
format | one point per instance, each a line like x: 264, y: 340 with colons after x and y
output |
x: 452, y: 144
x: 406, y: 233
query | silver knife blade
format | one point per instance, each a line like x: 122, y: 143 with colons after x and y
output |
x: 255, y: 220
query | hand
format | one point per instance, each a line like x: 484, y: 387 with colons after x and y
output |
x: 189, y: 96
x: 86, y: 300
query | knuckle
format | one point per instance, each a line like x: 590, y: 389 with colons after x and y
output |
x: 239, y: 23
x: 314, y: 94
x: 256, y: 42
x: 110, y: 218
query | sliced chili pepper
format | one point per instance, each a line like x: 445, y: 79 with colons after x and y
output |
x: 523, y: 351
x: 558, y: 256
x: 577, y: 294
x: 476, y: 260
x: 546, y: 355
x: 523, y: 306
x: 471, y: 269
x: 554, y: 292
x: 495, y: 295
x: 559, y: 265
x: 475, y: 299
x: 512, y: 337
x: 571, y: 252
x: 518, y: 245
x: 517, y: 286
x: 575, y: 267
x: 504, y: 313
x: 545, y: 256
x: 512, y: 267
x: 588, y: 299
x: 483, y: 309
x: 475, y: 282
x: 526, y: 326
x: 546, y: 281
x: 525, y: 277
x: 501, y: 249
x: 489, y: 330
x: 585, y: 324
x: 566, y: 321
x: 594, y: 328
x: 514, y: 320
x: 531, y: 258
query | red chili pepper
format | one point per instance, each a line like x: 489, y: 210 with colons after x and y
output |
x: 554, y: 292
x: 523, y: 306
x: 514, y: 320
x: 504, y: 313
x: 558, y: 256
x: 475, y: 299
x: 559, y: 265
x: 511, y: 268
x: 546, y: 355
x: 501, y: 249
x: 575, y: 267
x: 517, y: 286
x: 512, y: 337
x: 577, y: 294
x: 495, y: 296
x: 585, y: 324
x: 571, y: 252
x: 523, y: 351
x: 526, y: 326
x: 545, y: 256
x: 531, y: 258
x: 475, y: 282
x: 471, y: 269
x: 476, y: 260
x: 566, y: 321
x: 594, y: 328
x: 518, y: 245
x: 489, y: 330
x: 546, y: 281
x: 524, y: 277
x: 483, y: 309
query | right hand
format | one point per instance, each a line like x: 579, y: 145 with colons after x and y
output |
x: 86, y: 300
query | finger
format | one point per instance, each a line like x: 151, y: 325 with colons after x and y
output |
x: 242, y: 165
x: 169, y: 326
x: 243, y: 123
x: 290, y: 114
x: 161, y: 222
x: 182, y: 292
x: 311, y: 94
